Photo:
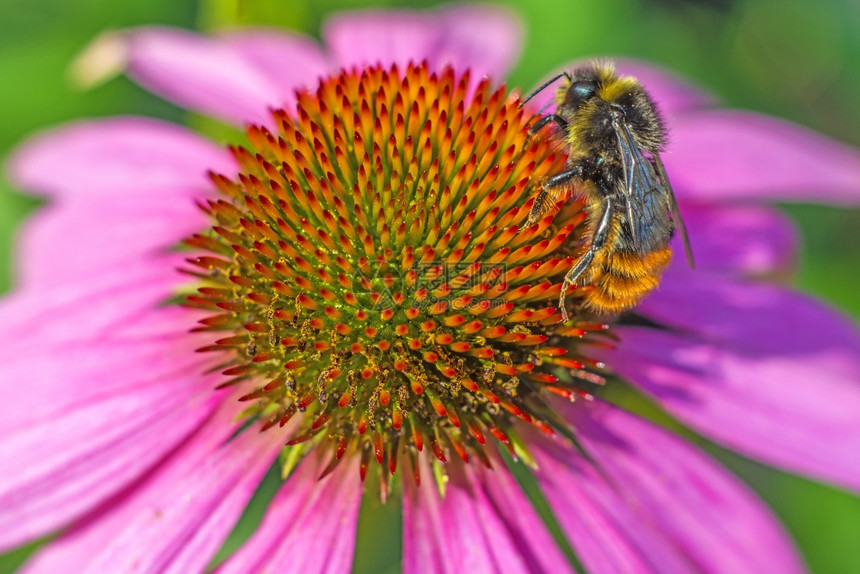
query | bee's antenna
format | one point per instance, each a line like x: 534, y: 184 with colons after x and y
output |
x: 545, y: 107
x: 544, y: 86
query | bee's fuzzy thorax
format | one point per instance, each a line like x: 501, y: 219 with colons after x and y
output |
x: 641, y: 112
x: 589, y: 112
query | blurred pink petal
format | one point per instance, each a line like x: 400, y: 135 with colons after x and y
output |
x: 75, y: 364
x: 58, y: 242
x: 765, y: 371
x: 309, y: 526
x: 78, y: 549
x: 649, y: 501
x: 736, y: 239
x: 202, y: 73
x: 754, y: 318
x: 68, y: 311
x: 732, y: 155
x: 671, y: 93
x: 290, y: 61
x: 118, y: 156
x: 241, y: 76
x: 126, y: 162
x: 483, y: 38
x: 484, y: 523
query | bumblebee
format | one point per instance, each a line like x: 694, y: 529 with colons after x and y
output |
x: 614, y: 137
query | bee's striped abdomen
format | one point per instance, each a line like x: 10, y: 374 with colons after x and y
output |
x: 620, y: 279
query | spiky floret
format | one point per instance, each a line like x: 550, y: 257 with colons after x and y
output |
x: 374, y: 276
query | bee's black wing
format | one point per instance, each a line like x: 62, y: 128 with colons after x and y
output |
x: 648, y: 197
x: 676, y: 211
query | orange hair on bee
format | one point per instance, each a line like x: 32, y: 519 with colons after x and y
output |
x: 621, y: 279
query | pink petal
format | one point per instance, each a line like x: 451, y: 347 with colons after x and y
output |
x: 310, y: 526
x: 202, y: 74
x: 123, y: 383
x: 739, y: 240
x: 127, y: 189
x: 487, y: 40
x: 731, y: 155
x: 182, y: 530
x: 85, y: 238
x: 119, y: 156
x: 672, y: 93
x: 147, y: 351
x: 69, y: 467
x: 484, y: 523
x: 67, y: 312
x: 651, y: 502
x: 289, y: 61
x: 83, y: 418
x: 175, y: 518
x: 762, y: 370
x: 530, y: 537
x: 484, y: 39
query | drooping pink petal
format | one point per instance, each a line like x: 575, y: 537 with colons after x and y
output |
x: 172, y: 518
x: 671, y: 93
x: 71, y: 465
x: 77, y: 443
x: 92, y: 419
x: 67, y: 312
x: 738, y: 240
x: 649, y: 502
x: 310, y: 526
x: 82, y: 239
x: 118, y: 156
x: 530, y: 536
x: 484, y: 523
x: 125, y: 191
x: 484, y: 39
x: 289, y: 60
x: 722, y: 155
x: 761, y: 369
x: 202, y: 74
x: 143, y: 350
x: 183, y: 528
x: 607, y: 534
x: 121, y: 387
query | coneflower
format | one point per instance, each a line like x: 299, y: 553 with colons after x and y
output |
x: 354, y: 286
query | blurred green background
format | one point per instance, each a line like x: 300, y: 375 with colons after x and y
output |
x: 792, y: 58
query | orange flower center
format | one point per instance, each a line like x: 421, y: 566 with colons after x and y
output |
x: 372, y: 268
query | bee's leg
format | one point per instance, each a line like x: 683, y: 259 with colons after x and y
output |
x: 548, y: 184
x: 537, y: 207
x: 562, y: 178
x: 571, y: 277
x: 601, y: 234
x: 538, y: 125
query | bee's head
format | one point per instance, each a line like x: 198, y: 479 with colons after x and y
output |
x: 595, y: 95
x: 581, y: 87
